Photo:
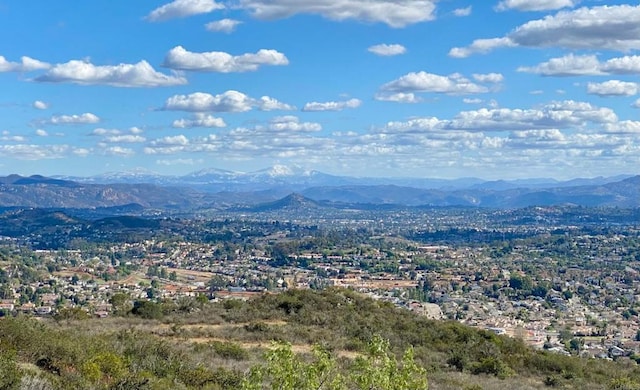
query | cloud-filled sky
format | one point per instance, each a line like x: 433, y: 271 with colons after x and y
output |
x: 496, y: 89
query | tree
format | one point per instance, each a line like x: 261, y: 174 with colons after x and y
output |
x: 10, y: 373
x: 380, y: 370
x: 121, y: 303
x: 286, y: 371
x: 377, y: 369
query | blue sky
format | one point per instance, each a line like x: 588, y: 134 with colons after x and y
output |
x: 424, y: 88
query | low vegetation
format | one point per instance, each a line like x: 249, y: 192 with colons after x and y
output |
x: 299, y: 339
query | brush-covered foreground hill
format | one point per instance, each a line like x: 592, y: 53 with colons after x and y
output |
x: 195, y: 344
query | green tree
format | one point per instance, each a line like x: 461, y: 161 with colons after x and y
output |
x: 378, y: 369
x: 287, y: 371
x: 10, y: 374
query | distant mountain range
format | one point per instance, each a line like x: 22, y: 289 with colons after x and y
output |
x: 296, y: 179
x: 271, y: 189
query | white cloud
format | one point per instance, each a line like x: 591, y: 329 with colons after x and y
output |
x: 81, y: 152
x: 224, y: 25
x: 615, y: 27
x: 636, y: 104
x: 462, y: 11
x: 613, y: 88
x: 217, y: 61
x: 183, y: 8
x: 86, y: 118
x: 101, y: 131
x: 40, y: 105
x: 555, y: 115
x: 332, y: 106
x: 41, y: 133
x: 266, y: 103
x: 229, y: 101
x: 395, y: 13
x: 488, y: 78
x: 163, y: 149
x: 622, y: 65
x: 177, y: 140
x: 413, y: 125
x: 118, y: 151
x: 585, y: 65
x: 564, y: 114
x: 624, y: 127
x: 292, y: 123
x: 481, y: 46
x: 535, y: 5
x: 26, y: 64
x: 34, y: 152
x: 387, y: 50
x: 179, y: 161
x: 199, y: 120
x: 399, y: 97
x: 453, y: 84
x: 569, y: 65
x: 12, y: 138
x: 472, y: 100
x: 123, y: 75
x: 125, y: 138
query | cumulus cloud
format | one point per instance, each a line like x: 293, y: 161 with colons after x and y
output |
x: 399, y: 97
x: 454, y: 84
x: 488, y: 78
x: 482, y: 46
x: 535, y: 5
x: 462, y: 11
x: 266, y: 103
x: 613, y: 88
x: 332, y: 106
x: 291, y: 123
x: 26, y: 64
x: 6, y: 137
x: 224, y: 25
x: 179, y: 161
x: 615, y: 27
x: 585, y: 65
x: 101, y: 131
x: 217, y: 61
x: 123, y: 75
x: 199, y: 120
x: 119, y: 151
x: 395, y: 13
x: 177, y: 140
x: 563, y: 114
x: 41, y: 133
x: 229, y: 101
x: 622, y: 65
x: 86, y: 118
x: 624, y: 127
x: 40, y: 105
x: 569, y: 65
x: 387, y: 50
x: 124, y: 138
x: 183, y: 8
x: 35, y: 152
x: 555, y: 115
